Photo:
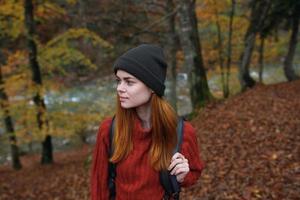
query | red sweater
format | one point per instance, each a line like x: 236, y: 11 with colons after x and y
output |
x: 136, y: 179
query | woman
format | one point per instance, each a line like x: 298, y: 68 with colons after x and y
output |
x: 144, y: 134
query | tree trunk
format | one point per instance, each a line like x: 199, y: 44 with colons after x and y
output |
x: 229, y: 46
x: 288, y: 61
x: 261, y: 58
x: 172, y: 41
x: 259, y: 13
x: 16, y: 164
x: 220, y: 48
x: 245, y: 78
x: 37, y: 80
x: 191, y: 46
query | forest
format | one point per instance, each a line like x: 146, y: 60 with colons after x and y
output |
x: 233, y: 71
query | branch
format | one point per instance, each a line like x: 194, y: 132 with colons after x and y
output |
x: 164, y: 18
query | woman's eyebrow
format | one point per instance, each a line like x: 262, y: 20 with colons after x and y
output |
x: 126, y: 77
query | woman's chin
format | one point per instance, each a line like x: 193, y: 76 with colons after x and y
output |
x: 125, y: 106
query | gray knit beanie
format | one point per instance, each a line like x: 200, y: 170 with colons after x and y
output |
x: 147, y: 63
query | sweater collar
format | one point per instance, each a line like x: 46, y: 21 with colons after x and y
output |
x: 139, y: 131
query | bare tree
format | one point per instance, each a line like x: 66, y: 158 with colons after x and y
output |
x: 37, y: 80
x: 172, y: 41
x: 229, y: 47
x: 288, y: 61
x: 190, y: 42
x: 16, y: 164
x: 259, y: 13
x: 261, y: 58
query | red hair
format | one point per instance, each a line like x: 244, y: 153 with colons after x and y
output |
x: 164, y: 137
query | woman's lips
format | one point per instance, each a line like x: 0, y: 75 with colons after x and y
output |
x: 123, y: 98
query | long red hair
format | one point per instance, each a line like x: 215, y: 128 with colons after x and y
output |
x: 164, y: 137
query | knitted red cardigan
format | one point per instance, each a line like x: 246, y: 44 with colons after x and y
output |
x: 136, y: 179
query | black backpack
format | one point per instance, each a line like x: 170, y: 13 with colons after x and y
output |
x: 169, y: 182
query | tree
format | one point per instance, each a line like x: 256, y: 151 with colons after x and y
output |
x: 261, y: 58
x: 220, y: 46
x: 172, y: 40
x: 38, y: 100
x: 283, y: 12
x: 288, y: 61
x: 259, y: 13
x: 16, y: 164
x: 225, y: 72
x: 191, y: 46
x: 229, y: 47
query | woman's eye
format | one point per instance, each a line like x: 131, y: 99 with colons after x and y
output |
x: 118, y: 81
x: 130, y: 83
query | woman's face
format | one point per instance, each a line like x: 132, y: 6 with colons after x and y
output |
x: 131, y: 91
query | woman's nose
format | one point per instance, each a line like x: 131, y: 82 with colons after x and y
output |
x: 120, y: 87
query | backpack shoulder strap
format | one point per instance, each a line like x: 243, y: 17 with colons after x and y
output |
x: 169, y: 182
x: 111, y: 166
x: 179, y: 134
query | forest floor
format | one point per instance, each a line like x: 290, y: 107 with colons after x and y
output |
x: 250, y: 144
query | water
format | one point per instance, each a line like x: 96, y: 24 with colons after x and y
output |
x: 100, y: 96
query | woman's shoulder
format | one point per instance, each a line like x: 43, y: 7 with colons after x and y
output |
x: 105, y: 123
x: 189, y: 131
x: 188, y: 126
x: 104, y: 127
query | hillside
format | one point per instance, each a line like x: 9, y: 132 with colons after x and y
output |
x: 251, y: 145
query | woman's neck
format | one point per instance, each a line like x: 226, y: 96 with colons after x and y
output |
x: 144, y: 113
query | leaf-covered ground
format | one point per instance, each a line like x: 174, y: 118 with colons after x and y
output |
x: 250, y: 144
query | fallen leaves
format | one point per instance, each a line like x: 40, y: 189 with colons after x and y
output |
x: 251, y: 145
x: 66, y: 179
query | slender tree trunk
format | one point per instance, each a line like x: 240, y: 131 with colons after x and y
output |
x: 220, y: 49
x: 37, y: 80
x: 16, y: 164
x: 288, y: 61
x: 259, y: 13
x: 245, y: 79
x: 229, y: 46
x: 191, y: 46
x: 261, y: 58
x: 172, y: 40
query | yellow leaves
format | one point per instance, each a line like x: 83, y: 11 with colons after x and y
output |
x: 12, y: 16
x: 67, y: 124
x: 74, y: 34
x: 11, y: 19
x: 209, y: 8
x: 59, y: 52
x: 72, y: 2
x: 213, y: 12
x: 49, y: 10
x: 16, y: 59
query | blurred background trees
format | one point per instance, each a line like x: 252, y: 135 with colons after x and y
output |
x: 215, y: 49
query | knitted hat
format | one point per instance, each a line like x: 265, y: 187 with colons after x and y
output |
x: 146, y: 62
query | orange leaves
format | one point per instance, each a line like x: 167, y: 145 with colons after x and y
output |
x: 67, y: 179
x: 250, y: 145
